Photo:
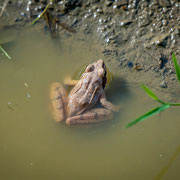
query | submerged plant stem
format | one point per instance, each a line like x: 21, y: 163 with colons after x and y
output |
x: 4, y: 52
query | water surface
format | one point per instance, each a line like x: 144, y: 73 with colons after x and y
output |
x: 34, y: 146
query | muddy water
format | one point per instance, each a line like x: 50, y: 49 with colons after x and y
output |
x: 33, y: 146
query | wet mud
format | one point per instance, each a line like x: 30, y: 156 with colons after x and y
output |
x: 136, y: 37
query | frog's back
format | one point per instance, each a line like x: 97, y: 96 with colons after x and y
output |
x: 85, y: 94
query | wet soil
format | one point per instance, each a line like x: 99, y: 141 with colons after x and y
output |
x: 136, y: 37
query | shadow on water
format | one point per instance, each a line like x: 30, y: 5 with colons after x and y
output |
x: 118, y: 90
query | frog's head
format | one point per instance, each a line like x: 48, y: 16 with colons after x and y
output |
x: 99, y: 68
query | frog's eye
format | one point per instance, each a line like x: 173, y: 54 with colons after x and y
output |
x: 90, y: 68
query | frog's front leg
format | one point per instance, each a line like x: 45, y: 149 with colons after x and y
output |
x: 59, y: 101
x: 93, y: 116
x: 107, y: 104
x: 70, y: 82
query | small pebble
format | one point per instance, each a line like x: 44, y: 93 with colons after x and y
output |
x: 163, y: 84
x: 18, y: 19
x: 26, y: 84
x: 9, y: 103
x: 130, y: 64
x: 23, y: 14
x: 120, y: 64
x: 28, y: 95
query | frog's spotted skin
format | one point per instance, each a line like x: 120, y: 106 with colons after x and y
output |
x: 80, y: 106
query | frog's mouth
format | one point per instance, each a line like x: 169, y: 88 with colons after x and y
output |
x: 108, y: 76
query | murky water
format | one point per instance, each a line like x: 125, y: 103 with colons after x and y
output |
x: 34, y: 146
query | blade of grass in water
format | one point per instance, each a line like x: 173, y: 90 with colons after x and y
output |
x: 4, y: 52
x: 177, y: 67
x: 151, y: 94
x: 149, y: 114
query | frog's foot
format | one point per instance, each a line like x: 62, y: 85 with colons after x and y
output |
x: 59, y: 101
x: 70, y: 82
x: 93, y: 116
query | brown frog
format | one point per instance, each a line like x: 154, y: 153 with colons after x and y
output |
x: 80, y: 106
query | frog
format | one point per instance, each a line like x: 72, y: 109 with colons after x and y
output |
x: 81, y: 106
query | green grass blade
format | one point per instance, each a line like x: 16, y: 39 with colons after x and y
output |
x: 177, y: 67
x: 4, y: 52
x: 151, y: 94
x: 149, y: 114
x: 174, y: 104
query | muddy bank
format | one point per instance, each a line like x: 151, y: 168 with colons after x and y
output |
x: 136, y: 37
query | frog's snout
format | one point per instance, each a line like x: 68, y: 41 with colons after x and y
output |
x: 100, y: 61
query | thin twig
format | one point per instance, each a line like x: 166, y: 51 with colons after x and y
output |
x: 4, y: 7
x: 4, y: 11
x: 51, y: 1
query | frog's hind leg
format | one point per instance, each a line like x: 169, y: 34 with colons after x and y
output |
x: 93, y: 116
x: 59, y: 101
